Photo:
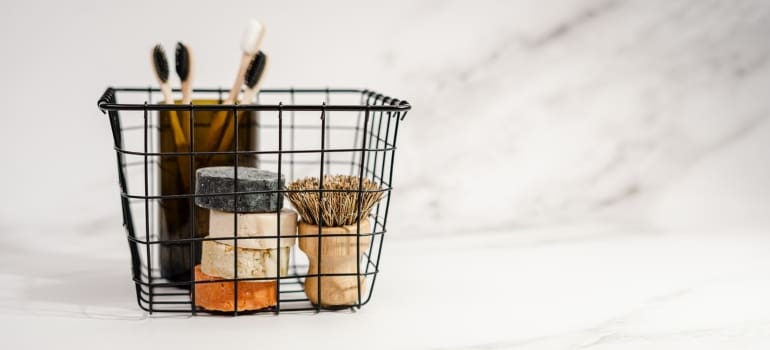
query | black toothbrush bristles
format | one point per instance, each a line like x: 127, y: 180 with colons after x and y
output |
x: 182, y: 61
x: 160, y: 63
x: 254, y: 72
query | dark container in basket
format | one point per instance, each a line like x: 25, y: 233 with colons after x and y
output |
x: 331, y: 131
x: 175, y: 218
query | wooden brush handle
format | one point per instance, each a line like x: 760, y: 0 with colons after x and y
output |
x: 339, y: 254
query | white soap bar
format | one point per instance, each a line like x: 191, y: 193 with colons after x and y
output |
x: 254, y: 225
x: 217, y: 260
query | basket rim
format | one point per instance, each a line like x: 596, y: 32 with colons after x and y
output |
x: 388, y: 104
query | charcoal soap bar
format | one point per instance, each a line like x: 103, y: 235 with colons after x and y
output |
x: 214, y: 180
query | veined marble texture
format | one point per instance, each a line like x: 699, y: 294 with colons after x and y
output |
x: 574, y: 174
x: 525, y: 113
x: 560, y: 112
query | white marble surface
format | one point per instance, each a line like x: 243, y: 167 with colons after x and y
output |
x: 575, y: 174
x: 596, y: 286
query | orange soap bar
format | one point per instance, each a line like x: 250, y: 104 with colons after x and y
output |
x: 218, y: 296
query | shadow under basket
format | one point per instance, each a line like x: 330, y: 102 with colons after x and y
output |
x: 296, y: 133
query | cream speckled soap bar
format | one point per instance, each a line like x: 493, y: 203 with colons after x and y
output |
x: 254, y: 225
x: 217, y: 260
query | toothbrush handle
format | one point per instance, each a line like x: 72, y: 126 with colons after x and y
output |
x: 165, y: 89
x: 186, y: 118
x: 180, y: 139
x: 219, y: 120
x: 186, y: 91
x: 248, y: 97
x: 238, y: 83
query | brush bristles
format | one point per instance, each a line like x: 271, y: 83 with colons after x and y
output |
x: 160, y: 63
x: 182, y: 61
x: 254, y: 72
x: 338, y: 208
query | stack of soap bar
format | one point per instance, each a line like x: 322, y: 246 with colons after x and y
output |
x: 257, y: 253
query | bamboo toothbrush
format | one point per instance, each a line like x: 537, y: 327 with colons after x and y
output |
x: 250, y: 43
x: 184, y: 69
x: 160, y: 64
x: 253, y: 81
x: 252, y: 78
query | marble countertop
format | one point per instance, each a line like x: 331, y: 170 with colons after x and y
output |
x: 597, y: 286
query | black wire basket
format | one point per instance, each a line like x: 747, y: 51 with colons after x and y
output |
x: 294, y: 132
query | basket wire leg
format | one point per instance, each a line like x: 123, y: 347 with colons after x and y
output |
x: 320, y: 209
x: 328, y: 130
x: 291, y: 138
x: 387, y: 204
x: 373, y: 143
x: 291, y: 167
x: 235, y: 213
x: 382, y: 183
x: 191, y: 137
x: 373, y: 170
x: 147, y: 211
x: 355, y: 134
x: 278, y: 217
x: 361, y: 163
x: 257, y: 121
x: 128, y: 221
x: 369, y: 132
x: 358, y: 210
x: 152, y: 125
x: 376, y: 141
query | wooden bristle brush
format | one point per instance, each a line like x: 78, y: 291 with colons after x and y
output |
x: 332, y: 228
x: 160, y: 65
x: 340, y: 208
x: 250, y: 43
x: 253, y: 82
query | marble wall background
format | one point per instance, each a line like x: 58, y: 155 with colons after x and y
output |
x: 574, y: 174
x: 525, y: 113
